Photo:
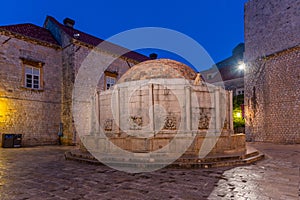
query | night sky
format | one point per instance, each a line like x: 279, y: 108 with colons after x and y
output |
x: 217, y: 25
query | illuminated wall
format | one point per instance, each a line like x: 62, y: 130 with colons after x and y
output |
x: 272, y: 52
x: 33, y: 113
x: 4, y: 112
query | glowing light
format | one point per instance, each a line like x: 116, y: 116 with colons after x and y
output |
x: 3, y: 110
x: 242, y: 66
x: 238, y: 115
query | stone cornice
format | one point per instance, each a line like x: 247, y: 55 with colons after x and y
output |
x: 283, y: 52
x: 275, y: 54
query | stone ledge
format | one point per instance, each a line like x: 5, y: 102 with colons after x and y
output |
x: 250, y: 156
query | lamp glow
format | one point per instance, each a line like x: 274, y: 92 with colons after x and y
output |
x: 3, y: 110
x: 242, y: 66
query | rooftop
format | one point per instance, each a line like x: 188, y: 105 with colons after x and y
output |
x: 31, y: 31
x: 94, y: 41
x: 44, y: 35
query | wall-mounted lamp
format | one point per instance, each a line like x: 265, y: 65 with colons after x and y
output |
x: 241, y: 66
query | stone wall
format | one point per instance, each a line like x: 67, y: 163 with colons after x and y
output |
x: 74, y: 54
x: 68, y: 77
x: 271, y: 26
x: 39, y: 113
x: 272, y: 76
x: 33, y: 113
x: 272, y: 98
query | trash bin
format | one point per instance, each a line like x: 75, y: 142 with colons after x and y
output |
x: 11, y: 140
x: 7, y: 140
x: 17, y: 140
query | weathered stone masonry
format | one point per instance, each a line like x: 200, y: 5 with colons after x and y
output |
x: 58, y: 50
x: 74, y: 52
x: 272, y: 77
x: 33, y: 113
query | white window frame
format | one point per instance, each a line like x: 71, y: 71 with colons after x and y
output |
x: 32, y: 77
x: 239, y: 91
x: 109, y: 82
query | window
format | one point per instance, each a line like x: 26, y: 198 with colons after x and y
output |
x: 32, y: 74
x: 110, y: 81
x: 32, y: 77
x: 239, y: 91
x: 209, y: 76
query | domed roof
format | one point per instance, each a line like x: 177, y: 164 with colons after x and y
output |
x: 160, y: 68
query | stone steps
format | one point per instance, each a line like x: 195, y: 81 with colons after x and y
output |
x: 250, y: 156
x: 221, y: 163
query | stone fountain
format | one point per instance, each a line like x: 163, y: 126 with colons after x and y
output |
x: 160, y: 113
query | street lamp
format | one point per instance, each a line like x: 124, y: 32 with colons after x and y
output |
x: 241, y: 66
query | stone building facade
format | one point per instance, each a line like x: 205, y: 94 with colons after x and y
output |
x: 38, y: 66
x: 272, y: 77
x: 35, y: 113
x: 228, y: 72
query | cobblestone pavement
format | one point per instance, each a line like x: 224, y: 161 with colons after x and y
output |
x: 43, y: 173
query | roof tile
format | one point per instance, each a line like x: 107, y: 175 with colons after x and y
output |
x: 94, y: 41
x: 32, y: 31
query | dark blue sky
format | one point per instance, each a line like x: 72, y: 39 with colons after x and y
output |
x: 215, y: 24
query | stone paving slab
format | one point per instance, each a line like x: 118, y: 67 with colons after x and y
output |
x: 43, y: 173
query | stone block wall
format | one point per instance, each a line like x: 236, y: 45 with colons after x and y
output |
x: 68, y: 77
x: 38, y: 113
x: 33, y: 113
x: 271, y: 26
x: 76, y: 55
x: 272, y: 77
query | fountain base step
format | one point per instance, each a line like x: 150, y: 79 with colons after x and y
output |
x: 218, y: 160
